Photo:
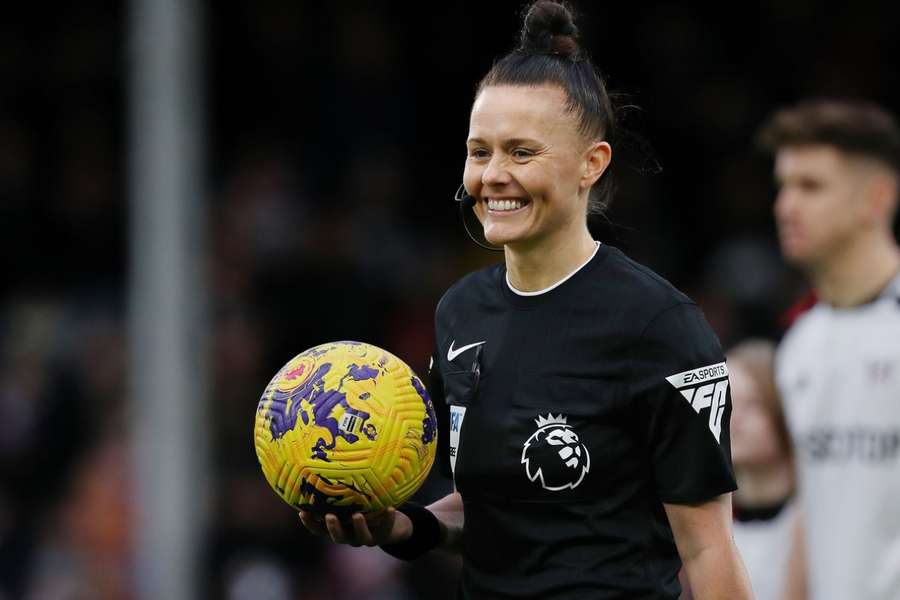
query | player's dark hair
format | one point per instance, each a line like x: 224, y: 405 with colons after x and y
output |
x: 855, y: 127
x: 549, y: 53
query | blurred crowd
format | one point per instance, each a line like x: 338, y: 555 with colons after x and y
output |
x: 335, y: 142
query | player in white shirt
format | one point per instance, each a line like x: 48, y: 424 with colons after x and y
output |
x: 838, y: 368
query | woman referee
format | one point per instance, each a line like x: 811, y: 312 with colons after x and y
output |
x: 587, y: 398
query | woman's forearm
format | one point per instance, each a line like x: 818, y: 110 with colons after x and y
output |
x: 718, y: 573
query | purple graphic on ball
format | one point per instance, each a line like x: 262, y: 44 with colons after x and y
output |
x: 323, y: 402
x: 360, y: 373
x: 429, y: 423
x: 280, y: 421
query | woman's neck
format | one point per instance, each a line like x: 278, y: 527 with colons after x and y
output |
x: 533, y: 267
x: 766, y: 486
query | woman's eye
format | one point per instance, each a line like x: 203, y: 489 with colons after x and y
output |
x: 478, y: 153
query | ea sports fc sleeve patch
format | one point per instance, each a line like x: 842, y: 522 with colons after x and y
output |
x: 683, y: 405
x: 706, y: 387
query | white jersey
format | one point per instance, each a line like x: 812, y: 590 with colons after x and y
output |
x: 838, y: 371
x: 764, y: 546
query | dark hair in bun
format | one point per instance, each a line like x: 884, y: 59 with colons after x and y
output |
x: 549, y: 28
x: 549, y: 53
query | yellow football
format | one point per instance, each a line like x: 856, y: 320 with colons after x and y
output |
x: 345, y: 427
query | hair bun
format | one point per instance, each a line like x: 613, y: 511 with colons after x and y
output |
x: 549, y: 28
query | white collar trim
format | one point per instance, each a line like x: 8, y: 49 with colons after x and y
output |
x: 558, y: 283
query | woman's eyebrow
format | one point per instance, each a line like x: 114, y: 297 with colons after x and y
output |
x: 521, y: 142
x: 509, y: 142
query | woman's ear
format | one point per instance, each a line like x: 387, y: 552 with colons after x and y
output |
x: 597, y: 160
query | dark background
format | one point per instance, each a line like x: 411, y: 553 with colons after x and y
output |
x: 335, y: 137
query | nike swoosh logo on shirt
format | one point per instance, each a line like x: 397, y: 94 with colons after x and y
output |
x: 451, y: 353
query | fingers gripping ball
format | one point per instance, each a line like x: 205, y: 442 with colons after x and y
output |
x: 345, y: 427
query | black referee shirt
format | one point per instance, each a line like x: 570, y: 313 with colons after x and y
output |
x: 571, y: 416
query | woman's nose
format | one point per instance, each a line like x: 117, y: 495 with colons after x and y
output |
x: 495, y: 173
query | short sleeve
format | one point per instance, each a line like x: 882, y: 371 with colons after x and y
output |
x: 682, y: 400
x: 436, y: 392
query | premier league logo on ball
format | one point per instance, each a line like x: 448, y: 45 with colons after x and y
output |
x: 554, y: 455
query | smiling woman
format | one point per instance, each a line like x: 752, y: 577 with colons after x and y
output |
x: 583, y: 400
x: 529, y: 168
x: 539, y: 148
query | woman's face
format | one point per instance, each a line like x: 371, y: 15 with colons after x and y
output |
x: 527, y: 165
x: 754, y: 438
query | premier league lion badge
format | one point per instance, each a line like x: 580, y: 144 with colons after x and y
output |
x: 554, y: 455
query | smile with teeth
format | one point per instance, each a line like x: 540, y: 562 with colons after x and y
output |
x: 505, y: 205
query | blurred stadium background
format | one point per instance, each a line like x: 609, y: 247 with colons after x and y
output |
x: 191, y: 193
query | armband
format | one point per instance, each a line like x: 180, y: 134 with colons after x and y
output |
x: 426, y: 533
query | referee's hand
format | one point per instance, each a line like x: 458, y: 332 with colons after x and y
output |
x: 372, y: 529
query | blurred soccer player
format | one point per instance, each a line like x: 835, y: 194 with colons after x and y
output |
x: 838, y: 369
x: 763, y: 466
